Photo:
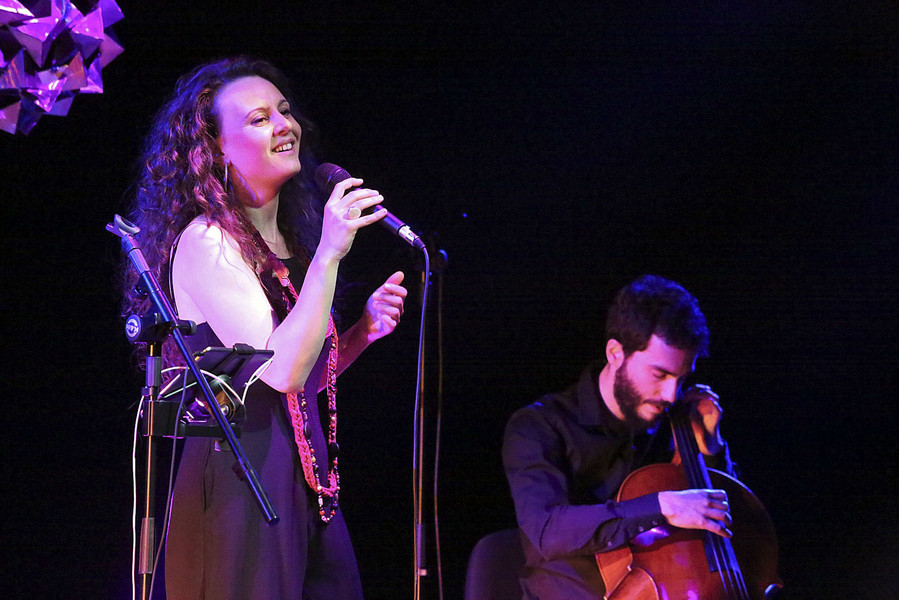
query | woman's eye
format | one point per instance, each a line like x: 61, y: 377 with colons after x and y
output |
x: 258, y: 120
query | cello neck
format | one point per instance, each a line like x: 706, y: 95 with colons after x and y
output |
x: 692, y: 459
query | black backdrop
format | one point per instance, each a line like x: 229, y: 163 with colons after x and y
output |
x: 744, y: 149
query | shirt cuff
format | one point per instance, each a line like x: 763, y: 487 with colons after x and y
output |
x: 636, y: 516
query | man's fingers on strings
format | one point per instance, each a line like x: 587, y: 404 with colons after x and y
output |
x: 720, y: 516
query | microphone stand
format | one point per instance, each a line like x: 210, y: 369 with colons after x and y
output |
x: 419, y: 568
x: 420, y: 546
x: 327, y: 175
x: 167, y: 324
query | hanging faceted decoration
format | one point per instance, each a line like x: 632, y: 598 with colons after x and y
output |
x: 49, y: 53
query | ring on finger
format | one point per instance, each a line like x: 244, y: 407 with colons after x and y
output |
x: 353, y: 212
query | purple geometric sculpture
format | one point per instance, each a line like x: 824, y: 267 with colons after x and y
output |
x: 49, y: 53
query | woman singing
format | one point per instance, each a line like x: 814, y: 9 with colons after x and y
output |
x: 229, y: 221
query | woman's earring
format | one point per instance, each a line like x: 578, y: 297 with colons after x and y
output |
x: 226, y: 177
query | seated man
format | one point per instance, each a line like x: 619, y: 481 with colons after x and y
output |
x: 567, y: 454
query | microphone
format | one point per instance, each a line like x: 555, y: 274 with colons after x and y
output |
x: 328, y: 175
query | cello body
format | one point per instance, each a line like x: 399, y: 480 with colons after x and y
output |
x: 670, y: 563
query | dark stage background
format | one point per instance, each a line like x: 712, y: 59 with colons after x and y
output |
x: 747, y: 150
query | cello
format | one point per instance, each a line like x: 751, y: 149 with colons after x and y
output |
x: 671, y: 563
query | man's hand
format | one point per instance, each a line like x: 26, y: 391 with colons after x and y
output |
x: 697, y: 509
x: 705, y: 416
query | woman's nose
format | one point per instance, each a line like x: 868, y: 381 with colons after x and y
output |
x: 282, y: 123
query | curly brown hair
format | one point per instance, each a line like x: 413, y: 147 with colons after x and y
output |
x: 182, y: 175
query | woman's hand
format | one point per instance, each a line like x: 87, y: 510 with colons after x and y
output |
x: 343, y: 217
x: 379, y: 318
x: 384, y: 308
x: 705, y: 415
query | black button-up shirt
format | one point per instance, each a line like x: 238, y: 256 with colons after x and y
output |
x: 565, y: 457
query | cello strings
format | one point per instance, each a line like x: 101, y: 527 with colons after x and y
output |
x: 721, y: 549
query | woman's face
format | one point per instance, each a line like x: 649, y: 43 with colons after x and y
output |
x: 259, y: 137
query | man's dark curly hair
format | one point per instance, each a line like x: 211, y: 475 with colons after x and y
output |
x: 654, y: 305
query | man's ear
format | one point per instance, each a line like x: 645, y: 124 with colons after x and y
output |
x: 614, y: 353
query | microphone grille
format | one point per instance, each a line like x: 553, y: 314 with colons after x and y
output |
x: 328, y: 175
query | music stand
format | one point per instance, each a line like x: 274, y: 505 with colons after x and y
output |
x: 184, y: 411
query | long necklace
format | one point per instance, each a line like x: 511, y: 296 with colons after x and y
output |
x: 296, y: 403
